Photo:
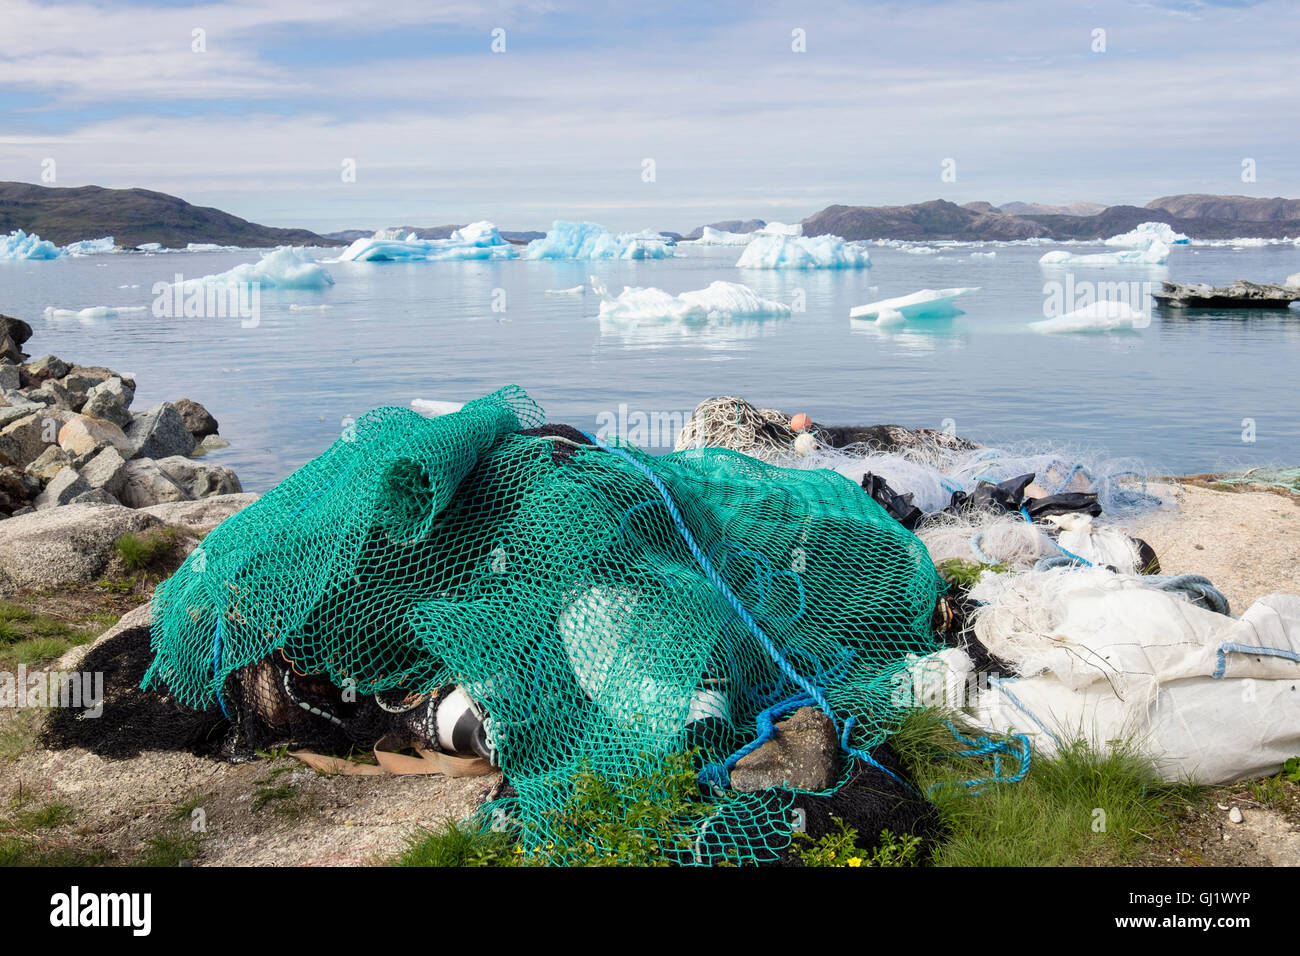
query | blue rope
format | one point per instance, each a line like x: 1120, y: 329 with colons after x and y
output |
x: 981, y: 746
x: 814, y: 695
x: 218, y: 639
x: 1024, y: 512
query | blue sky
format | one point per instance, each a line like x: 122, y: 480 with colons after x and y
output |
x: 560, y: 124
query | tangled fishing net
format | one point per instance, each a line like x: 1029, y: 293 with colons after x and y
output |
x: 595, y: 608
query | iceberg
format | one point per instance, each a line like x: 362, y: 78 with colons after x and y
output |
x: 924, y: 304
x: 90, y: 247
x: 720, y: 301
x: 1104, y: 316
x: 19, y: 245
x: 588, y: 240
x: 285, y: 268
x: 1147, y: 233
x: 209, y: 247
x: 803, y: 252
x: 718, y: 237
x: 92, y: 313
x: 295, y: 307
x: 478, y: 240
x: 150, y: 247
x: 1156, y: 254
x: 432, y: 408
x: 576, y: 290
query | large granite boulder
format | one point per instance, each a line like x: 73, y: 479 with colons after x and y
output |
x: 68, y: 545
x: 197, y: 419
x: 159, y: 433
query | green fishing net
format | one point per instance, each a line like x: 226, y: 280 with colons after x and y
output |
x: 602, y: 620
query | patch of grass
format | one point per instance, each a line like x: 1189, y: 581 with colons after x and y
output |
x: 164, y: 849
x: 1078, y: 807
x: 29, y: 637
x: 19, y: 623
x: 19, y: 730
x: 19, y: 851
x: 458, y: 845
x: 117, y: 585
x: 39, y: 650
x: 1291, y: 769
x: 147, y: 550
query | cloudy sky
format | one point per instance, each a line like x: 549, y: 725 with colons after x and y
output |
x: 737, y: 122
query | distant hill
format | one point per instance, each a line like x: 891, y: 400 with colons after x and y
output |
x: 940, y: 219
x: 1235, y: 208
x: 132, y: 217
x: 1039, y: 209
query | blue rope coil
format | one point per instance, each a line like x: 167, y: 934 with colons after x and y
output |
x: 981, y: 746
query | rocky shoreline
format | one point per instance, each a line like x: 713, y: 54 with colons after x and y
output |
x: 79, y: 468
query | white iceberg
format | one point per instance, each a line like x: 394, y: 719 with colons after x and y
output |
x: 92, y: 313
x: 150, y: 247
x: 926, y: 303
x: 1293, y: 281
x: 803, y: 252
x: 209, y: 247
x: 90, y: 247
x: 588, y: 240
x: 19, y: 245
x: 1147, y: 233
x: 1156, y: 254
x: 719, y: 237
x: 576, y: 290
x: 286, y: 268
x: 782, y: 229
x: 295, y: 307
x: 478, y: 240
x: 720, y: 301
x: 983, y: 255
x: 1103, y: 316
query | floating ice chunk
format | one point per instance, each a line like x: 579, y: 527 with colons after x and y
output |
x: 432, y: 408
x: 803, y: 252
x: 927, y: 303
x: 1104, y: 316
x: 719, y: 237
x: 295, y: 307
x: 19, y: 245
x: 587, y: 240
x: 92, y: 313
x: 983, y: 255
x: 1293, y: 281
x: 478, y: 240
x: 150, y: 247
x: 209, y: 247
x: 576, y: 290
x: 286, y: 268
x: 1147, y: 233
x: 1156, y: 254
x: 90, y: 247
x: 721, y: 300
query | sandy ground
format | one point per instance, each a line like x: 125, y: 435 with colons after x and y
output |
x: 1247, y: 543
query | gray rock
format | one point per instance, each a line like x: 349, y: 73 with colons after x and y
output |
x: 78, y: 388
x: 16, y: 490
x: 69, y: 545
x: 47, y: 366
x: 23, y: 441
x: 105, y: 404
x: 95, y: 496
x: 144, y: 484
x: 13, y: 333
x: 1240, y: 295
x: 159, y: 433
x: 58, y: 394
x: 11, y: 376
x: 49, y: 463
x: 107, y: 470
x: 83, y: 435
x: 198, y: 479
x: 63, y: 487
x: 11, y: 413
x: 202, y: 515
x: 41, y: 396
x: 196, y: 418
x: 209, y: 443
x: 803, y: 755
x: 122, y: 389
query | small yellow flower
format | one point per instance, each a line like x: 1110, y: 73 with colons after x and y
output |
x: 854, y: 861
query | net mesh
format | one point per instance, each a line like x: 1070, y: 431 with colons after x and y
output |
x: 548, y: 579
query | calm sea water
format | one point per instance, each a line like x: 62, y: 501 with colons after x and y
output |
x: 1175, y: 393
